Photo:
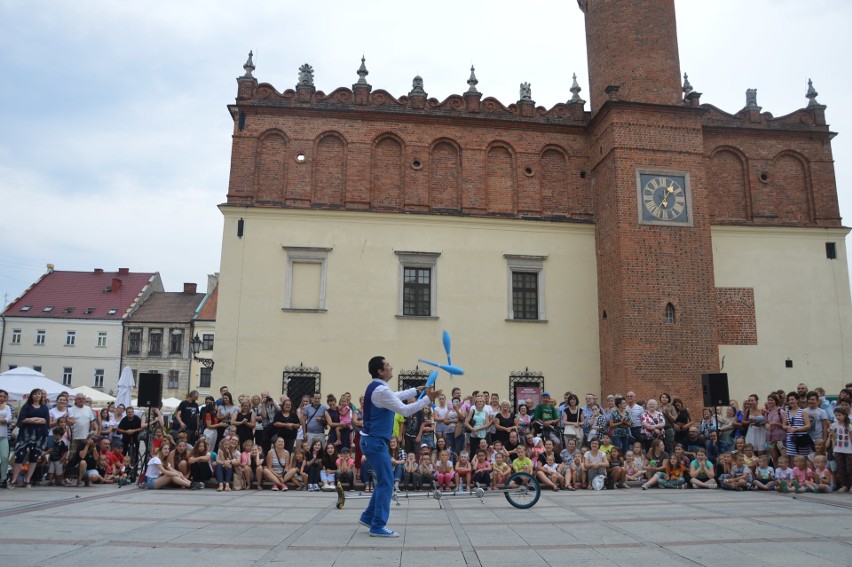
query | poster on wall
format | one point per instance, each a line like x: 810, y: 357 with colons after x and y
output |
x: 525, y: 393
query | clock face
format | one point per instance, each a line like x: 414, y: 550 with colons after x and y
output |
x: 663, y: 198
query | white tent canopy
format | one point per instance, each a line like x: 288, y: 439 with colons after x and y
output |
x: 98, y: 398
x: 19, y: 382
x: 171, y: 403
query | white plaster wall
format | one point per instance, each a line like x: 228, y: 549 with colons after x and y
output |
x: 256, y: 339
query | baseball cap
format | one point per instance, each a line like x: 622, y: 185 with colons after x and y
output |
x: 344, y: 450
x: 546, y: 394
x: 423, y: 445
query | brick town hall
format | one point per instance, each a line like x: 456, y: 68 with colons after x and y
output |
x: 629, y: 244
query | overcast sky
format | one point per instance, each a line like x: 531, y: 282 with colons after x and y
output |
x: 115, y: 140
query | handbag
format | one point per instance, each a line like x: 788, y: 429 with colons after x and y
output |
x: 572, y: 430
x: 803, y: 441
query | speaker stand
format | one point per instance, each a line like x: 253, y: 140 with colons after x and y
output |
x: 143, y: 462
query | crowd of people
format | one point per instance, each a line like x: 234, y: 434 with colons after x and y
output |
x: 785, y: 441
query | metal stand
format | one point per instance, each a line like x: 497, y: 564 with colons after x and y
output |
x: 143, y: 459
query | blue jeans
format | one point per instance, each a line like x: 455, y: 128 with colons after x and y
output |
x: 378, y: 510
x: 622, y: 442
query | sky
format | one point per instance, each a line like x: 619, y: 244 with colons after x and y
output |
x: 115, y: 138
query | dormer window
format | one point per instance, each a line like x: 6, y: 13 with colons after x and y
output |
x: 69, y: 309
x: 26, y: 307
x: 89, y: 310
x: 112, y: 311
x: 48, y: 309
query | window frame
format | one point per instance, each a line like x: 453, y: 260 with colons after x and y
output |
x: 418, y: 260
x: 102, y: 343
x: 525, y: 263
x: 176, y: 334
x: 41, y: 337
x: 99, y: 373
x: 305, y: 255
x: 159, y: 332
x: 15, y: 337
x: 173, y: 378
x: 71, y: 338
x: 207, y: 341
x: 137, y: 332
x: 67, y: 375
x: 205, y: 377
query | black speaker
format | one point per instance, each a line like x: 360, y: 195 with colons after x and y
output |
x: 150, y: 390
x: 715, y: 389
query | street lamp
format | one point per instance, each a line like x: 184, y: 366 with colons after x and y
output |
x: 195, y: 343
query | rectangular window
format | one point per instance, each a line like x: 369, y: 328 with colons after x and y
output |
x: 206, y: 378
x: 134, y: 341
x: 70, y: 338
x: 174, y: 379
x: 526, y: 287
x: 41, y: 335
x: 99, y: 378
x: 37, y: 368
x: 175, y: 341
x: 13, y: 366
x: 16, y: 336
x: 67, y: 374
x: 155, y: 342
x: 831, y: 250
x: 102, y: 338
x: 525, y: 295
x: 418, y: 276
x: 207, y: 341
x: 416, y: 291
x: 304, y: 286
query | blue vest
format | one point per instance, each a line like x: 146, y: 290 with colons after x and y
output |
x: 378, y: 421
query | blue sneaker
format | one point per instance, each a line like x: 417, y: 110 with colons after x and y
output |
x: 384, y: 532
x: 365, y: 524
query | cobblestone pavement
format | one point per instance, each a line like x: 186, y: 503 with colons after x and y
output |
x: 63, y: 526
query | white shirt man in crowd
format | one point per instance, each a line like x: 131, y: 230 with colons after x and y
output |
x: 81, y: 418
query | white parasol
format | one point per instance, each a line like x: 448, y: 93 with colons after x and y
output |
x: 125, y: 387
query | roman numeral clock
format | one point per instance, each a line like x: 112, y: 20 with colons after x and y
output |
x: 664, y: 197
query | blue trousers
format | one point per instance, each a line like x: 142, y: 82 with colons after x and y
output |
x: 378, y: 510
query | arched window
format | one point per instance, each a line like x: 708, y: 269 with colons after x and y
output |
x: 670, y: 313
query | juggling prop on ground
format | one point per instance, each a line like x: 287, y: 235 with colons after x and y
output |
x: 448, y: 367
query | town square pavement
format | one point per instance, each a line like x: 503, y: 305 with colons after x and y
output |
x: 74, y: 526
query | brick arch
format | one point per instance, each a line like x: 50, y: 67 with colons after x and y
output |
x: 791, y: 188
x: 271, y: 166
x: 386, y: 176
x: 500, y: 174
x: 555, y: 192
x: 329, y: 164
x: 445, y: 175
x: 727, y: 177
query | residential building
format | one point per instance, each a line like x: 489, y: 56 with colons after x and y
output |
x: 68, y: 325
x: 204, y: 327
x: 157, y: 336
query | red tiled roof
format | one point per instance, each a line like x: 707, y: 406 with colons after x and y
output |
x: 83, y: 295
x: 167, y: 307
x: 208, y: 308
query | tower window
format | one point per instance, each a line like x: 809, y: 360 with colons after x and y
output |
x: 831, y: 250
x: 670, y: 313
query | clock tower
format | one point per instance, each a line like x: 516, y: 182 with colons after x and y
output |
x: 656, y: 289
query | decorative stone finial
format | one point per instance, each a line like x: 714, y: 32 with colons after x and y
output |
x: 526, y: 92
x: 362, y: 73
x: 687, y: 88
x: 811, y: 95
x: 575, y: 89
x: 417, y: 87
x: 249, y: 67
x: 751, y: 100
x: 472, y: 82
x: 306, y: 76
